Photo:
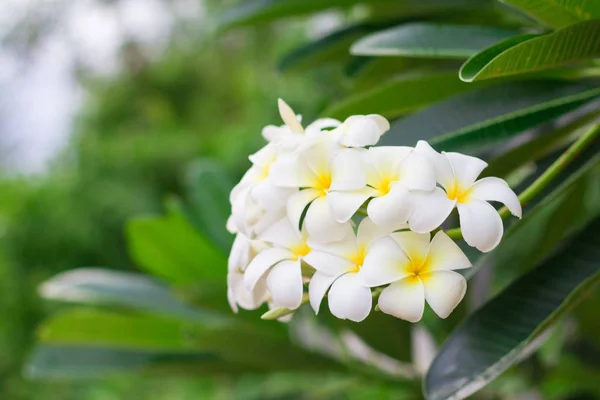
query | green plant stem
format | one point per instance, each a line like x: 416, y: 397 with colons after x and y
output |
x: 548, y: 176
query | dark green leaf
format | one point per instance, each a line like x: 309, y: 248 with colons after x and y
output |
x: 78, y: 362
x: 490, y: 115
x: 97, y: 286
x: 485, y: 345
x: 208, y: 189
x: 558, y: 13
x: 172, y: 249
x: 430, y: 40
x: 529, y: 53
x: 401, y: 96
x: 331, y: 48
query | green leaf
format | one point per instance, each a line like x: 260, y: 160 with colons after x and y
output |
x: 208, y: 187
x: 172, y: 249
x: 473, y: 120
x: 529, y: 53
x: 558, y: 13
x: 537, y: 147
x: 430, y: 40
x: 485, y: 345
x: 401, y: 95
x: 97, y: 286
x: 80, y: 362
x: 259, y: 11
x: 333, y: 48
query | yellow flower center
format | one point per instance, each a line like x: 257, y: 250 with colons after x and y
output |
x: 358, y: 259
x: 300, y: 250
x: 323, y: 183
x: 455, y: 192
x: 384, y: 185
x: 418, y: 268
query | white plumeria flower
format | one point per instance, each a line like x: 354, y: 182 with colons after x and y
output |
x: 262, y: 189
x: 338, y: 266
x: 249, y: 218
x: 281, y: 264
x: 393, y: 173
x: 242, y: 251
x: 361, y: 130
x: 417, y: 271
x: 333, y: 186
x: 292, y: 136
x: 457, y: 173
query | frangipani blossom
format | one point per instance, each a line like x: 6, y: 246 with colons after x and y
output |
x: 360, y: 130
x: 281, y: 264
x: 333, y: 186
x: 248, y: 217
x: 457, y: 173
x: 417, y: 271
x: 292, y: 136
x: 338, y: 266
x: 242, y: 251
x: 392, y: 173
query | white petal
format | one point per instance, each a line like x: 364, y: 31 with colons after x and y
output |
x: 237, y: 293
x: 444, y: 254
x: 318, y: 157
x: 385, y: 262
x: 285, y: 284
x: 321, y: 224
x: 269, y: 196
x: 466, y: 168
x: 368, y: 231
x: 393, y: 209
x: 273, y: 133
x: 496, y: 189
x: 360, y: 131
x: 298, y: 202
x: 327, y: 263
x: 414, y: 245
x: 289, y: 117
x: 480, y: 224
x: 349, y: 298
x: 290, y: 171
x: 347, y: 170
x: 404, y: 299
x: 282, y: 233
x: 319, y: 283
x: 239, y: 256
x: 444, y: 290
x: 345, y: 203
x: 443, y: 169
x: 429, y: 210
x: 264, y: 157
x: 266, y: 220
x: 386, y: 161
x: 382, y: 123
x: 230, y: 225
x: 316, y: 127
x: 343, y: 247
x: 417, y: 173
x: 262, y: 262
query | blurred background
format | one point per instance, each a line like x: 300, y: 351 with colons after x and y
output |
x: 103, y: 106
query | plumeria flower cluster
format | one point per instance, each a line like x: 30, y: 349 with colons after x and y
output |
x: 323, y: 212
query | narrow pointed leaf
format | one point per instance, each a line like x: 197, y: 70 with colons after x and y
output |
x: 430, y: 40
x: 558, y: 13
x: 575, y: 43
x: 485, y: 346
x: 473, y: 120
x: 97, y: 286
x: 401, y: 96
